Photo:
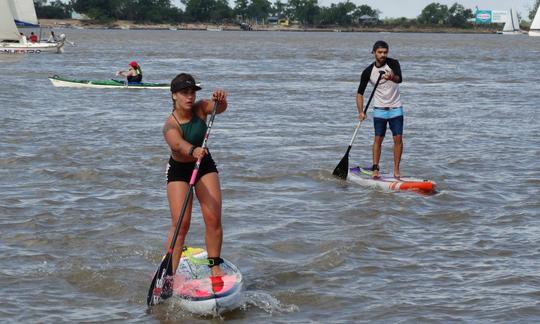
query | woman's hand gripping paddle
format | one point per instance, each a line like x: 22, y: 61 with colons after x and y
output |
x: 156, y: 293
x: 342, y: 169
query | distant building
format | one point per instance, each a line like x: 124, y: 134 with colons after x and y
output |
x: 367, y: 20
x: 78, y: 16
x: 273, y: 20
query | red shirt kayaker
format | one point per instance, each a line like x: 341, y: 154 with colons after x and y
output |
x: 133, y: 74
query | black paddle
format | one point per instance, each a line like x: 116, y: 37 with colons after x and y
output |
x: 342, y: 169
x: 165, y: 268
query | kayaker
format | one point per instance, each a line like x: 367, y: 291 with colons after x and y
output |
x: 387, y: 103
x: 134, y: 72
x: 184, y: 132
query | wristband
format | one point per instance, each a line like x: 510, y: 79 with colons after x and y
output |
x: 192, y: 148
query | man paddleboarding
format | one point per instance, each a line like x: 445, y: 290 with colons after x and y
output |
x: 388, y: 109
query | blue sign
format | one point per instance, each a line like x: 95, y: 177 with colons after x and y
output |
x: 483, y: 16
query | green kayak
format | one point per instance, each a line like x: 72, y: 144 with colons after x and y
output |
x: 58, y: 81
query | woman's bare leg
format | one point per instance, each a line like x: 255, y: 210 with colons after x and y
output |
x: 176, y: 193
x: 208, y: 191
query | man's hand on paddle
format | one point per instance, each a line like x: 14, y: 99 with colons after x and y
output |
x: 362, y: 116
x: 389, y: 75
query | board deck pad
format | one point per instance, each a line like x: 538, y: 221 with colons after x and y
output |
x: 194, y: 280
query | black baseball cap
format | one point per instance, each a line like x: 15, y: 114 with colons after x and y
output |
x: 184, y: 81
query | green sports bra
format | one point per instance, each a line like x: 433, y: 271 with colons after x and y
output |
x: 194, y: 130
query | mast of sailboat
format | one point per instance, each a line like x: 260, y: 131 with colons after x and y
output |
x: 512, y: 20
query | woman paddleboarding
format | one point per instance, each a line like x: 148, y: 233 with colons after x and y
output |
x: 184, y: 132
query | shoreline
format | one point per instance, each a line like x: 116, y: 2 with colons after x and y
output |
x: 130, y: 25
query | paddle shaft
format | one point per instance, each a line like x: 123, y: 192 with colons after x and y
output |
x: 365, y: 109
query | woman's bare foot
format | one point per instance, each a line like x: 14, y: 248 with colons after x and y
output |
x: 216, y: 271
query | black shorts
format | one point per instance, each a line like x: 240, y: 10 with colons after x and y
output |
x: 181, y: 171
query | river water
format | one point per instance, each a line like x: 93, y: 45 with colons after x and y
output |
x: 83, y: 209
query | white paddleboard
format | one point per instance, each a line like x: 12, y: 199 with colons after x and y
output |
x: 364, y: 177
x: 200, y: 293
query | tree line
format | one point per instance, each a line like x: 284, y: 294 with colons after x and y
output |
x: 304, y: 12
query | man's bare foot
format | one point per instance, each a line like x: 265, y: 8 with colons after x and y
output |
x: 375, y: 169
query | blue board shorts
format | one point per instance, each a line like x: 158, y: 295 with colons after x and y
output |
x: 391, y: 116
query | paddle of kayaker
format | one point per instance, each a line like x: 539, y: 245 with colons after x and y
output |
x: 388, y: 109
x: 184, y: 132
x: 133, y: 74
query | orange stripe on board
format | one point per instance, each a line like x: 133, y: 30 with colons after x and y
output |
x: 423, y: 186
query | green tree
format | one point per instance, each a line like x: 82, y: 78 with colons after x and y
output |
x: 337, y: 14
x: 366, y: 10
x: 221, y: 11
x: 278, y: 8
x: 198, y: 10
x: 458, y: 15
x: 434, y: 14
x: 56, y: 10
x: 155, y: 11
x: 241, y: 8
x: 327, y: 15
x: 532, y: 13
x: 100, y: 9
x: 304, y: 10
x: 259, y: 9
x: 206, y: 10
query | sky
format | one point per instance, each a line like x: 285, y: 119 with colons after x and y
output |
x: 413, y: 8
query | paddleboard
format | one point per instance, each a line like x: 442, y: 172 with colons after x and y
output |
x: 364, y: 176
x: 200, y: 293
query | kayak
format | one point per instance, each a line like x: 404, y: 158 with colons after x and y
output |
x: 196, y: 291
x: 58, y: 81
x: 364, y: 176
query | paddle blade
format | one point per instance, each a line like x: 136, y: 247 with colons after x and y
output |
x: 155, y: 293
x: 342, y: 169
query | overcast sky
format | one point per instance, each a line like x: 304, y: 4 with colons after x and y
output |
x: 412, y: 8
